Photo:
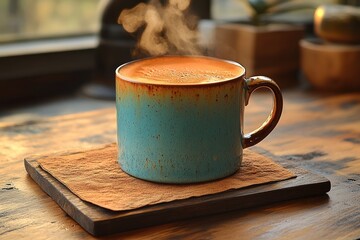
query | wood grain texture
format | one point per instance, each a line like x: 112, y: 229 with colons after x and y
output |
x: 318, y: 132
x: 99, y: 221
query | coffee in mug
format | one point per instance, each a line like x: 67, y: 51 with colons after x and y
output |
x: 180, y: 70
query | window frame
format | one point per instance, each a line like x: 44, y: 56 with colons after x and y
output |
x: 22, y: 59
x: 41, y: 68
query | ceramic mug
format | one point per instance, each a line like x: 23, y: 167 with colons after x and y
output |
x: 186, y: 131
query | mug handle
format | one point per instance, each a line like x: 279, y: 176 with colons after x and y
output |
x: 259, y: 134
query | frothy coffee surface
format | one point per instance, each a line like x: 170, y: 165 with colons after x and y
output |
x: 185, y: 70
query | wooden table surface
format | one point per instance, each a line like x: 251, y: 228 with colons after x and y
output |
x: 319, y: 132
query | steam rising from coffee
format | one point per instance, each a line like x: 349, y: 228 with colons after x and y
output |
x: 166, y: 29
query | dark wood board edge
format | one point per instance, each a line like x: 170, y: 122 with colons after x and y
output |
x: 57, y: 194
x: 177, y: 213
x: 305, y: 185
x: 213, y: 204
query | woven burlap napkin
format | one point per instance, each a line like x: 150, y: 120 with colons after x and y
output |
x: 95, y: 176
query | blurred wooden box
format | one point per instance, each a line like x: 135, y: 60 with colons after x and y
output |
x: 271, y: 50
x: 329, y: 66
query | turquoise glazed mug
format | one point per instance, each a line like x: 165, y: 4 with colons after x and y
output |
x: 180, y: 118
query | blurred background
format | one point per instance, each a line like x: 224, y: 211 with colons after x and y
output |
x: 54, y: 47
x: 32, y: 19
x: 29, y: 19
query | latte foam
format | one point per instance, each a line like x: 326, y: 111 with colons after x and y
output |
x: 183, y: 70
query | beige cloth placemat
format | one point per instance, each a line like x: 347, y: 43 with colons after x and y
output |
x: 95, y: 176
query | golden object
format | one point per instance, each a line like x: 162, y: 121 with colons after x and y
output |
x: 338, y: 23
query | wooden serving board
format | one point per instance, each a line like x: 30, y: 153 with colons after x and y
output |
x: 99, y: 221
